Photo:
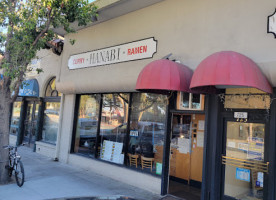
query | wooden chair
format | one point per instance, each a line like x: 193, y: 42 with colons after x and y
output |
x: 133, y: 159
x: 99, y: 151
x: 147, y: 162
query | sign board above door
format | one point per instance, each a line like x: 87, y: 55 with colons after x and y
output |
x: 137, y: 50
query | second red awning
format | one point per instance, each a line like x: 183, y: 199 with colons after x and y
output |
x: 228, y: 69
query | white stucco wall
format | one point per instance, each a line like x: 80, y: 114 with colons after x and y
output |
x: 190, y: 30
x: 131, y: 177
x: 50, y: 64
x: 66, y: 127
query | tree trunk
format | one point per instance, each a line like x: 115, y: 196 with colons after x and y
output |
x: 4, y: 137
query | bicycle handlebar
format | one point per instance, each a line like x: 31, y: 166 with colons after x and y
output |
x: 10, y: 147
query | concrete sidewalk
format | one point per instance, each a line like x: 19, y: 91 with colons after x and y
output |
x: 47, y: 179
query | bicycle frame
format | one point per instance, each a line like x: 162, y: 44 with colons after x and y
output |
x: 15, y: 165
x: 14, y: 157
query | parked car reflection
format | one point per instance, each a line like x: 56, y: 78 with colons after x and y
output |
x: 148, y: 136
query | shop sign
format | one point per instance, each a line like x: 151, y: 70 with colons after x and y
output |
x: 243, y: 174
x: 137, y: 50
x: 240, y: 115
x: 271, y: 24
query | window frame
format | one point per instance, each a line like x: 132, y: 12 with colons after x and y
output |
x: 180, y: 100
x: 127, y: 137
x: 53, y: 99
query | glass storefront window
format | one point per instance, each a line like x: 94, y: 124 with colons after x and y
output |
x: 51, y: 121
x: 51, y: 89
x: 189, y: 101
x: 51, y: 113
x: 196, y: 101
x: 15, y: 118
x: 185, y: 100
x: 113, y: 129
x: 86, y: 130
x: 244, y: 155
x: 147, y: 129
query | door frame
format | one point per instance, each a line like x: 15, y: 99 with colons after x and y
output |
x: 34, y: 101
x: 254, y: 116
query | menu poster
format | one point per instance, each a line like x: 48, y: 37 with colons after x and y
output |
x: 112, y: 151
x: 106, y: 151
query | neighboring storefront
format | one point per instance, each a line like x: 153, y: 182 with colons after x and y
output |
x: 35, y: 113
x: 170, y: 96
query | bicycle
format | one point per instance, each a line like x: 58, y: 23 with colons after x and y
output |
x: 15, y: 164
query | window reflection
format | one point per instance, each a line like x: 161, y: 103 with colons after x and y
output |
x: 15, y: 118
x: 51, y: 121
x: 196, y: 101
x: 147, y: 128
x: 51, y: 89
x: 245, y: 143
x: 190, y: 101
x: 114, y: 118
x: 86, y: 130
x: 185, y: 100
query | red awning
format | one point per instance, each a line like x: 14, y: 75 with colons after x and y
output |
x: 162, y: 76
x: 228, y: 69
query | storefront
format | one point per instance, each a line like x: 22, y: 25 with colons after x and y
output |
x: 240, y: 140
x: 204, y: 131
x: 35, y: 113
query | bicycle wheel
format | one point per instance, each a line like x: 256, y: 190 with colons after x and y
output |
x: 19, y: 173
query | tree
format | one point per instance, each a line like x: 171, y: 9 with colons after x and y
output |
x: 27, y: 26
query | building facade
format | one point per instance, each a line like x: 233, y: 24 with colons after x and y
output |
x: 216, y: 136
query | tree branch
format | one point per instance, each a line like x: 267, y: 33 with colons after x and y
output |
x: 10, y: 33
x: 42, y: 33
x: 17, y: 86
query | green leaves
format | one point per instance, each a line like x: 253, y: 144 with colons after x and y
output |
x: 72, y: 41
x: 27, y: 25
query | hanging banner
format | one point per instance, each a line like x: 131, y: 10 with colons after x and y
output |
x: 137, y: 50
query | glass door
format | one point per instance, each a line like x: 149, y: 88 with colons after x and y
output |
x: 30, y: 123
x: 244, y: 162
x: 186, y: 155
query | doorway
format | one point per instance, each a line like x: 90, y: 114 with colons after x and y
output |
x: 186, y: 155
x: 30, y: 122
x: 243, y: 159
